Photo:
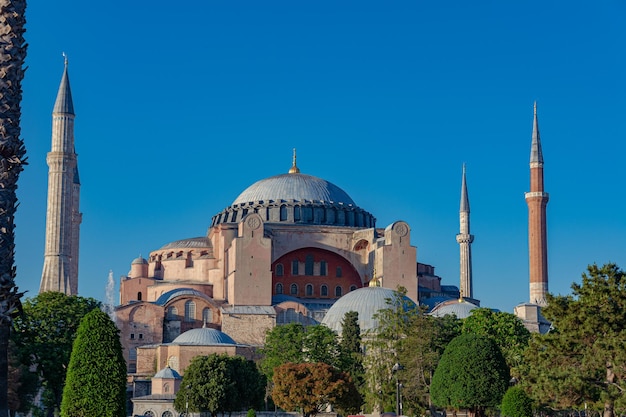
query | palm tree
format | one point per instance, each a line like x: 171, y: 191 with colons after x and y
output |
x: 12, y: 161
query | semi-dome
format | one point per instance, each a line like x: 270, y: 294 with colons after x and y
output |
x: 366, y: 302
x: 204, y: 337
x: 194, y: 242
x: 294, y: 186
x: 460, y: 308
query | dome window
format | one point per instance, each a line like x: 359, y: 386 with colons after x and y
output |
x: 283, y: 213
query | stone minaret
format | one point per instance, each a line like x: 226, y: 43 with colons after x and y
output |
x: 465, y: 240
x: 537, y: 200
x: 60, y: 267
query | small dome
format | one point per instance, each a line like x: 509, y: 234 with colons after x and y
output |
x: 204, y: 337
x: 167, y: 373
x: 139, y: 261
x: 460, y: 308
x: 194, y: 242
x: 366, y: 302
x: 293, y: 186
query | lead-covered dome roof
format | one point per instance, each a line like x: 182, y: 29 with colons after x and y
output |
x: 204, y: 337
x: 366, y: 301
x: 293, y: 186
x: 296, y: 198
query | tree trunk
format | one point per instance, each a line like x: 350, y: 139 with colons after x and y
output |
x: 12, y: 56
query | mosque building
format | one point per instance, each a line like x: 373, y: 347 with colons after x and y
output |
x: 285, y: 250
x: 289, y: 248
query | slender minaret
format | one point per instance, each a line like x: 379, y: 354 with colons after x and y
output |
x: 465, y: 240
x: 60, y: 267
x: 537, y: 200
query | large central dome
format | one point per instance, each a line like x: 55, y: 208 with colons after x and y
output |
x: 293, y: 186
x: 297, y: 199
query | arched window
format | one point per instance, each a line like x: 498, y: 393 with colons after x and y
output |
x: 207, y: 315
x: 279, y: 270
x: 338, y: 291
x: 139, y: 296
x: 294, y: 267
x: 323, y: 268
x: 308, y: 265
x: 149, y: 413
x: 279, y: 288
x: 338, y: 272
x: 283, y: 213
x: 293, y: 289
x: 324, y: 291
x: 309, y: 290
x: 296, y: 213
x: 189, y: 260
x: 190, y: 311
x: 166, y: 389
x: 352, y: 287
x: 167, y: 413
x: 172, y: 313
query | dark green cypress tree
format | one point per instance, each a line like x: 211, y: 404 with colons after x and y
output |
x: 96, y: 377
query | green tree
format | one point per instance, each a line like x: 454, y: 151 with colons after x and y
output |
x: 294, y: 343
x: 472, y: 374
x: 506, y: 329
x: 583, y: 359
x: 516, y: 403
x: 351, y: 349
x: 12, y: 161
x: 220, y: 383
x: 311, y: 387
x: 414, y: 340
x: 96, y: 377
x: 44, y: 335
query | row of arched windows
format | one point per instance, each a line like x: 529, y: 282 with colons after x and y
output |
x: 309, y: 268
x: 308, y: 290
x: 151, y: 413
x: 190, y: 313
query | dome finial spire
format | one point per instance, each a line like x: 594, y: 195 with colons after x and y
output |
x: 294, y: 168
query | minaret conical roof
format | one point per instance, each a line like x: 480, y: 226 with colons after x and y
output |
x: 465, y: 207
x: 535, y: 147
x: 64, y: 103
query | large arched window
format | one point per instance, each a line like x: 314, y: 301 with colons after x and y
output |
x: 309, y: 290
x: 294, y: 267
x: 172, y: 313
x: 308, y: 265
x: 323, y: 268
x: 338, y: 291
x: 190, y: 311
x: 283, y: 213
x: 338, y: 272
x: 324, y: 291
x: 207, y: 315
x: 279, y: 288
x: 280, y: 270
x: 293, y: 289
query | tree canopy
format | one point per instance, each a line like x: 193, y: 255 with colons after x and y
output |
x: 472, y: 374
x: 516, y: 403
x: 506, y: 329
x: 44, y: 335
x: 310, y: 387
x: 96, y: 376
x: 414, y: 340
x: 582, y: 360
x: 220, y: 383
x: 294, y: 343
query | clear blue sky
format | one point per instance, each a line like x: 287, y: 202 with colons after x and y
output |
x: 180, y: 107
